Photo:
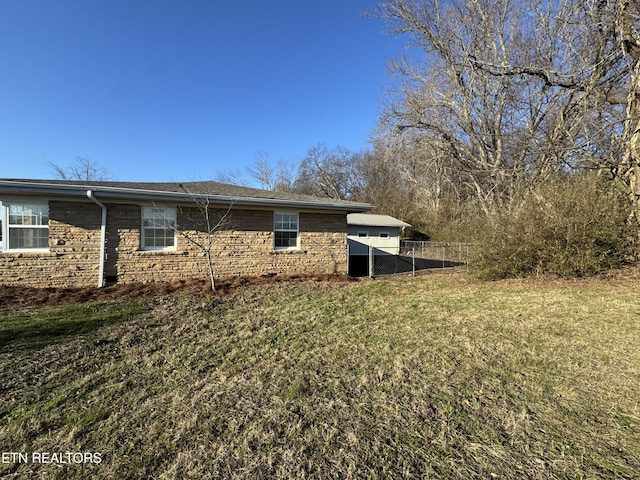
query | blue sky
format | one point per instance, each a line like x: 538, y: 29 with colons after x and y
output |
x: 168, y: 90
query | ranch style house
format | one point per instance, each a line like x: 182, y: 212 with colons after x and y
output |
x: 60, y: 233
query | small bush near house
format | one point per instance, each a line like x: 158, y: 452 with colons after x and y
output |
x: 569, y: 226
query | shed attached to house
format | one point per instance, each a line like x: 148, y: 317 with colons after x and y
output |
x: 366, y: 232
x: 72, y: 233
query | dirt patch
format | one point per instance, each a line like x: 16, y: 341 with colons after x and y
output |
x: 20, y: 296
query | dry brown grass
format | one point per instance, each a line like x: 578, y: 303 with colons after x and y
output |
x: 434, y: 377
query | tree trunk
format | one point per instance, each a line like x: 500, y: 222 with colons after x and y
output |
x: 631, y: 158
x: 633, y: 138
x: 211, y: 274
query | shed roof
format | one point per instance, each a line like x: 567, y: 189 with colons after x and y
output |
x: 372, y: 220
x: 176, y: 191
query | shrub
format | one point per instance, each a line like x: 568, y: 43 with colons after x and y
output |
x: 569, y: 226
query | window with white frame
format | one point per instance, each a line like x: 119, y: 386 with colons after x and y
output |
x: 286, y: 230
x: 363, y: 234
x: 384, y: 234
x: 158, y: 228
x: 25, y: 226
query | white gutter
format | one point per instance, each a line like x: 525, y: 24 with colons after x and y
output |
x: 38, y: 188
x: 103, y: 236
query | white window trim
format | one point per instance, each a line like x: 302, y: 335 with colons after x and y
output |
x: 4, y: 243
x: 142, y: 228
x: 363, y: 234
x: 384, y: 235
x: 297, y: 246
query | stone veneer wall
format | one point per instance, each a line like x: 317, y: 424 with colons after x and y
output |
x: 74, y: 249
x: 243, y: 247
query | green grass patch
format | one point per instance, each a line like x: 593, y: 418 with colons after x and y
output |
x: 433, y: 377
x: 41, y: 327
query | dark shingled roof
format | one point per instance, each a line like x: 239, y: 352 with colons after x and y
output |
x: 176, y: 190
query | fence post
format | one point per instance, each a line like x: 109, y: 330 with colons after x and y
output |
x: 348, y: 258
x: 370, y: 261
x: 413, y: 261
x: 467, y: 257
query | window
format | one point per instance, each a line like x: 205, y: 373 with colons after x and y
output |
x: 286, y: 230
x: 363, y: 234
x: 158, y: 228
x: 27, y: 227
x: 384, y: 235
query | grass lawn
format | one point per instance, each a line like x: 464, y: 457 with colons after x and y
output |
x: 433, y: 377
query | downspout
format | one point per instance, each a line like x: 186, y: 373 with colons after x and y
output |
x: 103, y: 236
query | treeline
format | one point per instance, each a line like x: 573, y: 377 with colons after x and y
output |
x: 513, y: 125
x: 524, y: 118
x: 371, y: 176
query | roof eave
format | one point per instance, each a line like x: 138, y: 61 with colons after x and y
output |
x: 115, y: 193
x: 398, y: 225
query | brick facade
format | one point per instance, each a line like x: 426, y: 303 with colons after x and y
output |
x: 244, y: 246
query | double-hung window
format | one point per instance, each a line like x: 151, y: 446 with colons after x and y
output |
x: 286, y: 231
x: 25, y: 226
x: 158, y: 228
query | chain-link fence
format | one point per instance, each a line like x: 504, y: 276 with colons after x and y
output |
x: 386, y: 263
x: 438, y: 254
x: 410, y: 257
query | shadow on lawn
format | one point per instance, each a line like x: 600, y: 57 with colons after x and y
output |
x: 394, y: 264
x: 39, y: 328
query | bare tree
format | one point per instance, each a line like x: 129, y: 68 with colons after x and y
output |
x: 627, y: 24
x: 279, y: 177
x: 83, y: 169
x: 262, y: 171
x: 510, y: 91
x: 381, y: 180
x: 601, y: 53
x: 232, y: 176
x: 203, y: 222
x: 329, y: 173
